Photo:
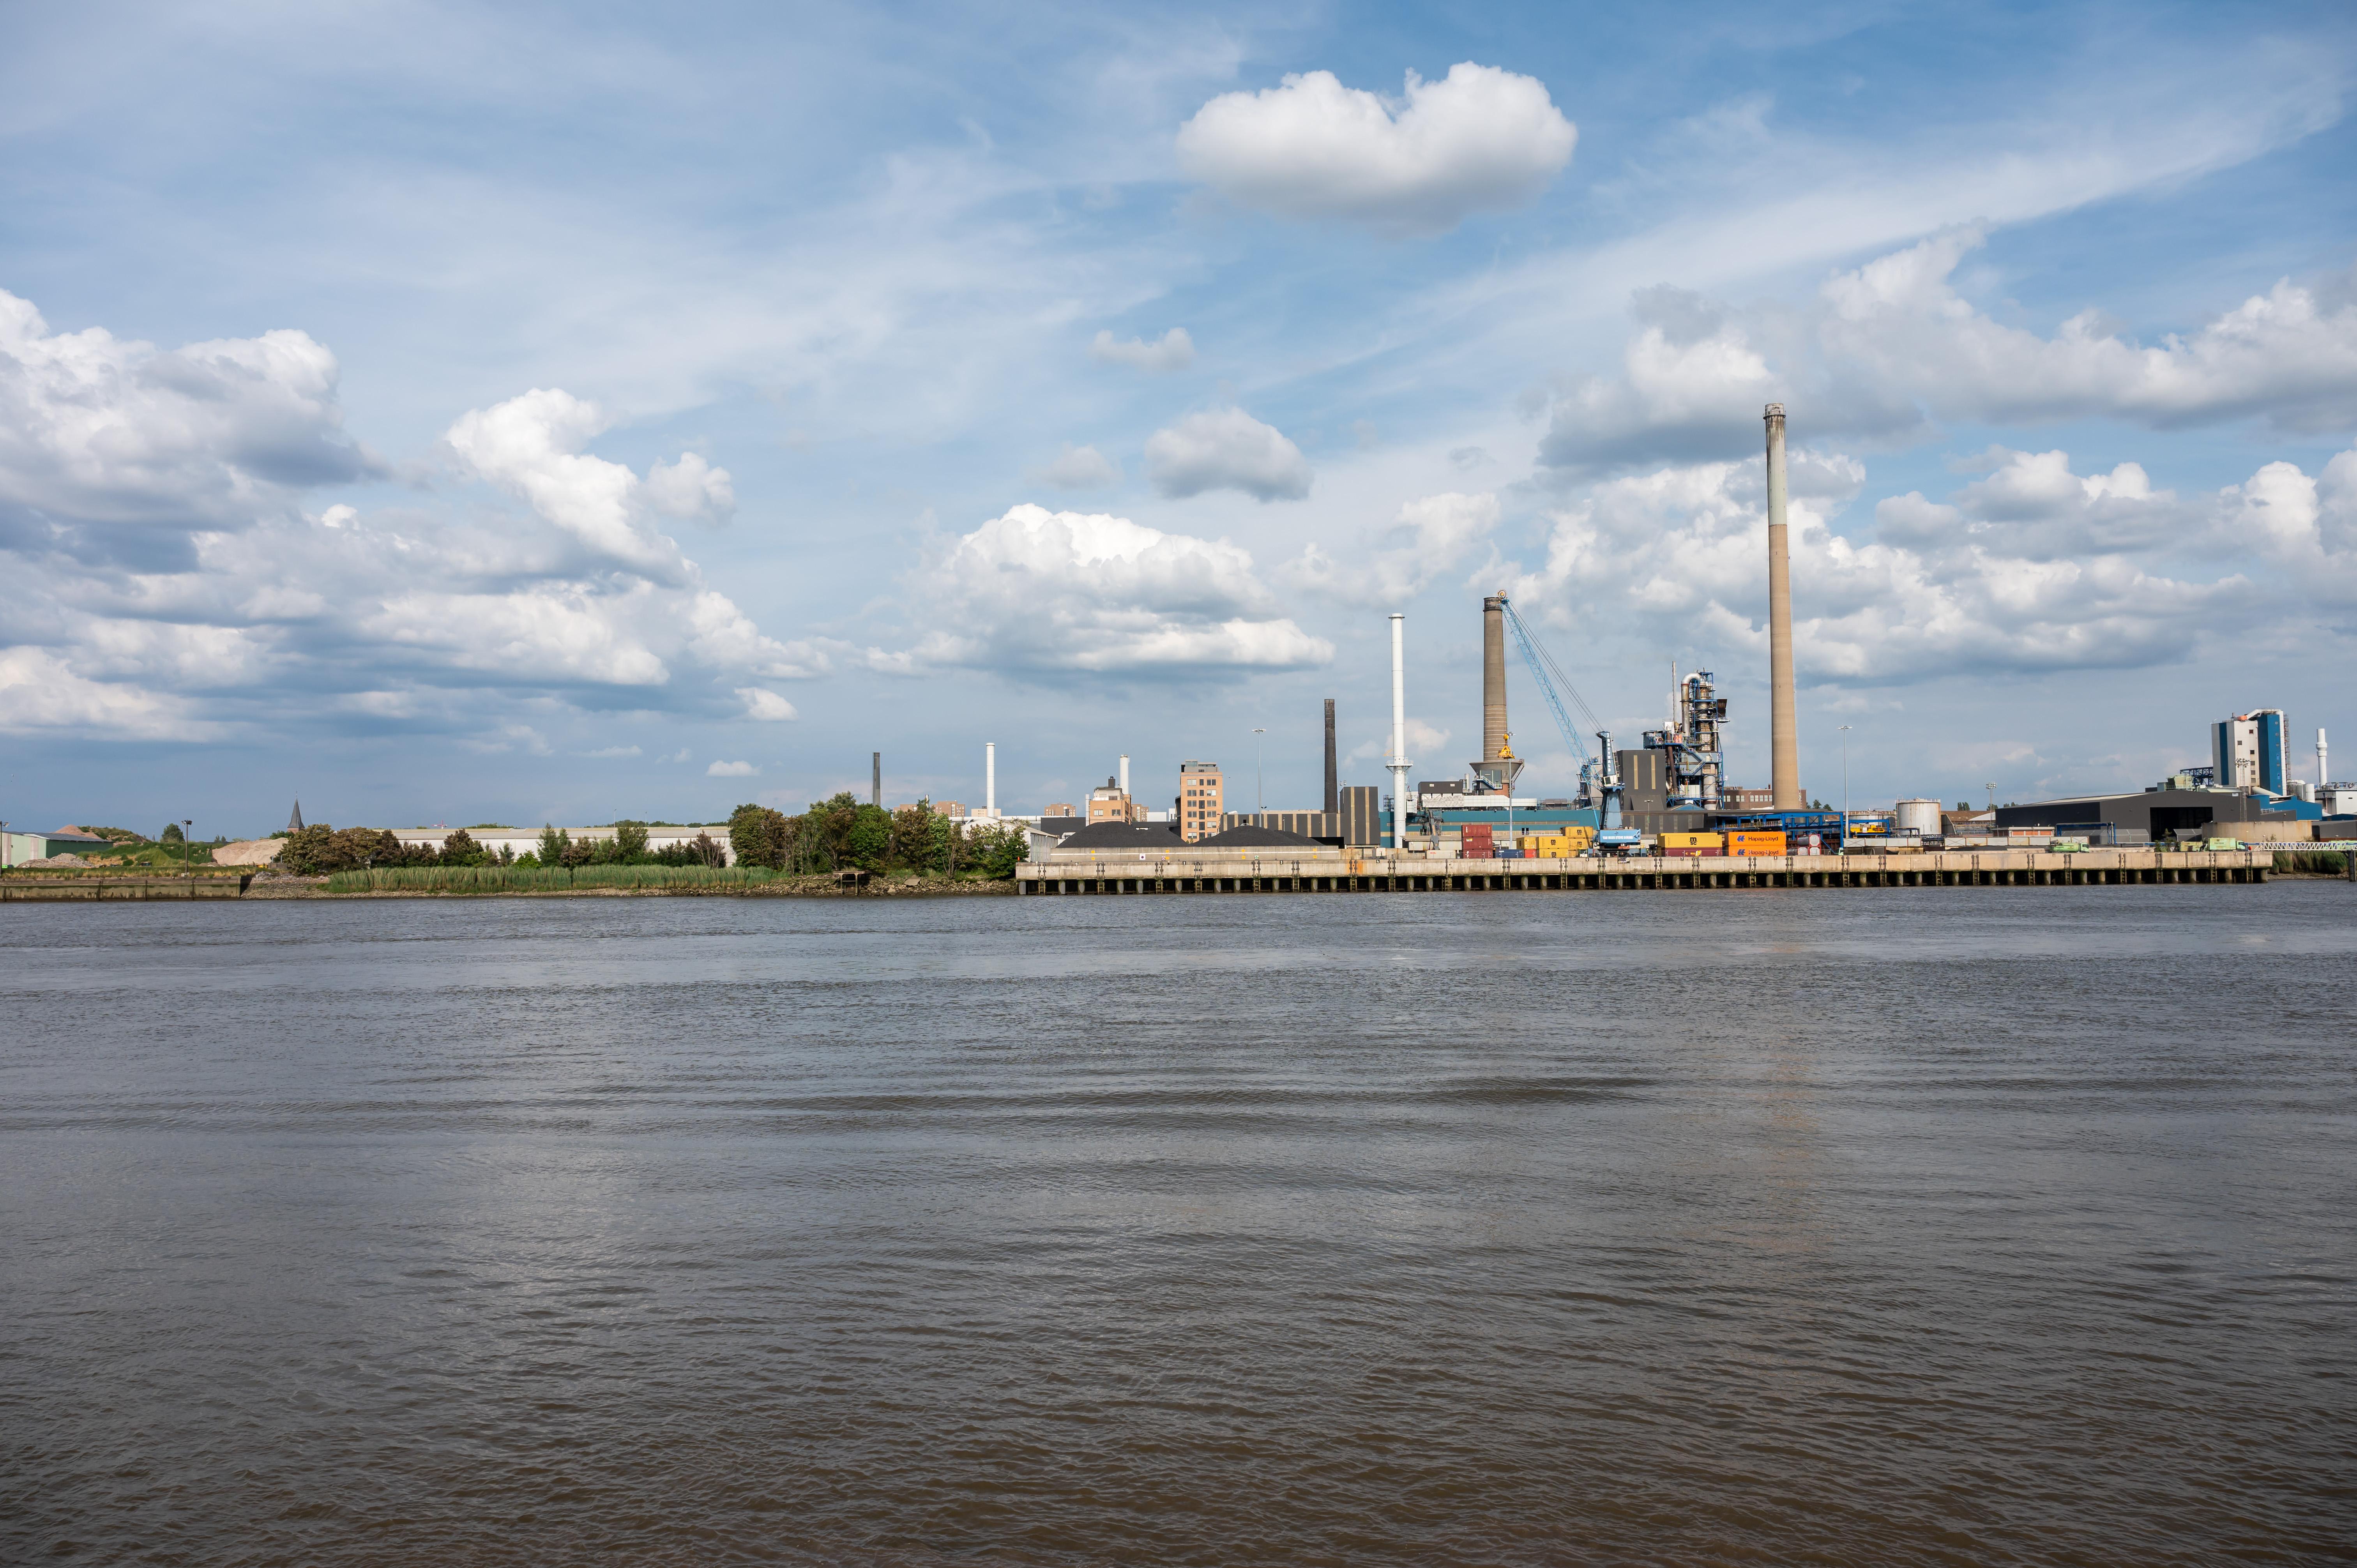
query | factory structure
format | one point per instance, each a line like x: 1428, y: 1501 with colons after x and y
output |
x: 1667, y: 799
x: 1670, y: 792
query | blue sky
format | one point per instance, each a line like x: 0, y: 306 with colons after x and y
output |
x: 510, y: 414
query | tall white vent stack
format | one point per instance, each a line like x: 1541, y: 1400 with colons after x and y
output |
x: 1782, y: 726
x: 1398, y: 762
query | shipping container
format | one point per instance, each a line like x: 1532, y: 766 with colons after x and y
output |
x: 1479, y: 852
x: 1692, y: 841
x: 1755, y: 843
x: 1691, y: 851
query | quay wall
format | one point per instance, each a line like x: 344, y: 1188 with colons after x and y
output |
x: 1336, y: 871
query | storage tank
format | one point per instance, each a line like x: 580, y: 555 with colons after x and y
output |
x: 1918, y: 817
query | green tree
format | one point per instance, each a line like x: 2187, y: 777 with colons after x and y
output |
x: 630, y: 842
x: 868, y: 844
x: 758, y: 836
x: 916, y: 841
x: 319, y: 849
x: 171, y: 833
x: 999, y: 848
x: 554, y: 841
x: 822, y: 834
x: 460, y: 849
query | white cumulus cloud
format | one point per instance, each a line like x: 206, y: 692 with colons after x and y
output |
x: 1429, y: 538
x: 2030, y: 568
x: 113, y: 449
x: 762, y: 703
x: 530, y: 446
x: 1891, y: 346
x: 171, y: 581
x: 1039, y: 592
x: 1481, y: 139
x: 1173, y: 351
x: 40, y: 691
x: 1226, y: 449
x: 1079, y: 468
x: 731, y: 770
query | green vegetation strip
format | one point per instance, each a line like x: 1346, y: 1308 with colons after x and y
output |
x: 2316, y: 861
x: 541, y: 879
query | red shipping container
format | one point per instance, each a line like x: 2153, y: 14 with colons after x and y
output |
x: 1479, y: 852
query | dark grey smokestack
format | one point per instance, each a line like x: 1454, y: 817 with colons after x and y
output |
x: 1493, y: 677
x: 1333, y: 778
x: 875, y: 783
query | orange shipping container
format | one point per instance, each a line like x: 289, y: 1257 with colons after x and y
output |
x: 1755, y: 843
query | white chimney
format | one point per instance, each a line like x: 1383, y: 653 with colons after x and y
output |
x: 2324, y: 773
x: 1398, y: 762
x: 1125, y: 774
x: 990, y: 777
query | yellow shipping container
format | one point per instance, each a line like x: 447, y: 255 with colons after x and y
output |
x: 1572, y: 834
x: 1692, y: 841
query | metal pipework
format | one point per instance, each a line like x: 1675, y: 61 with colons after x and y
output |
x: 1785, y: 742
x: 1608, y: 782
x: 1398, y: 762
x: 1493, y: 677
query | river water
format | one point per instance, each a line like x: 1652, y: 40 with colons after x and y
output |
x: 1901, y: 1226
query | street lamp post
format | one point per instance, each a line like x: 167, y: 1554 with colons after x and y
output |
x: 187, y: 855
x: 1844, y: 842
x: 1259, y: 805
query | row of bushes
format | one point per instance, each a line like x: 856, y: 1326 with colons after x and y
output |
x: 323, y: 850
x: 844, y: 832
x: 2316, y: 861
x: 522, y: 878
x: 832, y: 835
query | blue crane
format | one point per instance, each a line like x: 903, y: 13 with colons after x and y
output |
x: 1550, y: 676
x: 1597, y: 777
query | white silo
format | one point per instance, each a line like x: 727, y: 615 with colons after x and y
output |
x: 1917, y: 817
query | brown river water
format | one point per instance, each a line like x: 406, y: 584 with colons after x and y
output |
x: 1942, y: 1226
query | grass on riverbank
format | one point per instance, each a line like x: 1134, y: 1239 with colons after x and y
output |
x: 2314, y: 862
x: 541, y: 879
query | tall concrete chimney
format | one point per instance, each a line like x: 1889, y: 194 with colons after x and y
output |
x: 1397, y: 762
x: 2324, y: 773
x: 1493, y: 677
x: 1782, y: 726
x: 990, y: 777
x: 875, y: 780
x: 1124, y: 775
x: 1333, y: 778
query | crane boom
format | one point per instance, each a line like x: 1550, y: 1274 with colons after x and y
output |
x: 1547, y: 673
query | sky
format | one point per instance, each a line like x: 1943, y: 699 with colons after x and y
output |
x: 522, y: 414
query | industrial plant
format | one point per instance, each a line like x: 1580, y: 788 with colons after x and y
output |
x: 1663, y: 813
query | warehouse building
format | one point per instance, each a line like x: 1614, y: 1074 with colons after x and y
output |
x: 2157, y: 813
